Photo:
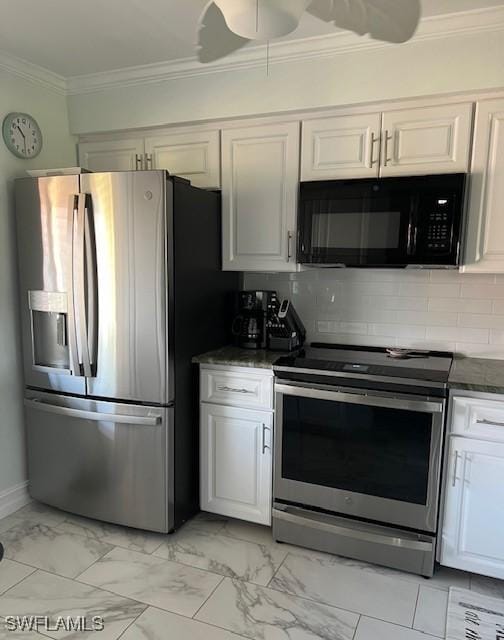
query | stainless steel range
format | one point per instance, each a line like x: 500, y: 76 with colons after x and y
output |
x: 358, y: 441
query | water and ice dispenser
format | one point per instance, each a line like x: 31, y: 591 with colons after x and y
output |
x: 49, y: 327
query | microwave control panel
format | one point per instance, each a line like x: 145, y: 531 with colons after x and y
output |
x: 439, y: 231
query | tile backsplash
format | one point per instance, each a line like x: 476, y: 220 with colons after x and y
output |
x: 433, y: 309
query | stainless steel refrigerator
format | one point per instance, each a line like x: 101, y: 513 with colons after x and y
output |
x: 120, y: 286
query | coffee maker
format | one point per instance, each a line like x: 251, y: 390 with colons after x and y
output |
x: 262, y: 321
x: 249, y: 326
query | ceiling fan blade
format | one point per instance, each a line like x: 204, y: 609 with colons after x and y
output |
x: 388, y: 20
x: 215, y: 40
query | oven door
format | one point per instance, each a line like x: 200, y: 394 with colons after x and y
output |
x: 375, y: 457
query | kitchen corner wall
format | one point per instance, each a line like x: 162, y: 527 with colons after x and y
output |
x: 433, y: 309
x: 49, y: 108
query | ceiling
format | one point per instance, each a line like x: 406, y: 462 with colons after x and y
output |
x: 72, y: 37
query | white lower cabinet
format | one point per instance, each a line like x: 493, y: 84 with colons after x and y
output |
x: 472, y: 536
x: 236, y: 470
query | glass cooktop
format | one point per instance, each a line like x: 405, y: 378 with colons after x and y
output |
x: 349, y: 360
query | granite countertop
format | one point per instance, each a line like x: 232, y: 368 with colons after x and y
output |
x: 237, y: 357
x: 471, y: 374
x: 477, y: 374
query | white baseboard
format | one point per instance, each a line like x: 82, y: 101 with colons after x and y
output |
x: 13, y: 499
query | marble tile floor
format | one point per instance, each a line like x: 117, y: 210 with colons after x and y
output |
x: 215, y: 579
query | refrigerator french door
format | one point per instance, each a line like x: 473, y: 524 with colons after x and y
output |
x: 94, y: 256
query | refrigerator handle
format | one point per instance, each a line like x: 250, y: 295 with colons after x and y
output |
x: 39, y: 405
x: 75, y: 363
x: 80, y: 287
x: 91, y: 283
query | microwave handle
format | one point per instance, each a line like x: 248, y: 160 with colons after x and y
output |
x: 412, y: 237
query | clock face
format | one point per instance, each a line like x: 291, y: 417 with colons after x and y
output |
x: 22, y: 135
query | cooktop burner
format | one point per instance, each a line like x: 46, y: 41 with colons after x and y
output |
x: 356, y: 361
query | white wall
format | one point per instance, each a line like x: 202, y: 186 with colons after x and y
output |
x: 470, y: 61
x: 49, y: 108
x: 437, y: 309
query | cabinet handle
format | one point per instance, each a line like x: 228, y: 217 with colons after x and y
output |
x: 138, y: 162
x: 289, y: 238
x: 455, y: 466
x: 233, y: 389
x: 264, y: 445
x: 373, y: 160
x: 490, y: 423
x: 148, y: 160
x: 387, y: 138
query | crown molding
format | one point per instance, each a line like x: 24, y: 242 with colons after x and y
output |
x: 341, y: 42
x: 33, y: 73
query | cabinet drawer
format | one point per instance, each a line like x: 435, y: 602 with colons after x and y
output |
x: 237, y: 388
x: 478, y: 418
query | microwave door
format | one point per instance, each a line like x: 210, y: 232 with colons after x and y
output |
x: 355, y: 227
x: 46, y: 217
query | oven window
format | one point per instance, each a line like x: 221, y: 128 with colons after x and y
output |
x: 376, y: 451
x: 368, y: 230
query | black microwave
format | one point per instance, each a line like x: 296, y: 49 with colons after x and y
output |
x: 382, y: 222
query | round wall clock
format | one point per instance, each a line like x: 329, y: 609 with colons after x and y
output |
x: 22, y: 135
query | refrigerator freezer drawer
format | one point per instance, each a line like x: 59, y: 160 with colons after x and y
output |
x: 100, y: 459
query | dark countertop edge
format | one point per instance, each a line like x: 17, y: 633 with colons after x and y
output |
x: 482, y: 375
x: 237, y: 357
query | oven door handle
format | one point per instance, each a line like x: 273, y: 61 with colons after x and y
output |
x: 424, y: 406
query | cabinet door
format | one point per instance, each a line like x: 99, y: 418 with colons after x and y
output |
x: 112, y: 155
x: 341, y: 147
x: 484, y: 250
x: 474, y: 508
x: 426, y: 140
x: 236, y: 472
x: 260, y: 174
x: 194, y: 155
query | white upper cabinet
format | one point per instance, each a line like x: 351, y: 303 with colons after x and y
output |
x: 474, y: 509
x: 194, y: 155
x: 411, y: 141
x: 260, y: 175
x: 433, y: 139
x: 484, y: 250
x: 341, y: 147
x: 112, y: 155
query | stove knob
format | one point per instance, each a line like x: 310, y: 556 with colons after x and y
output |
x: 348, y: 500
